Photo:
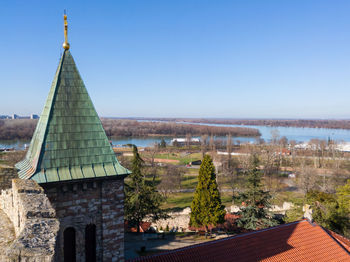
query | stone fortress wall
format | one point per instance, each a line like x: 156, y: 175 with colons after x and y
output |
x: 28, y: 227
x: 33, y: 218
x: 180, y: 220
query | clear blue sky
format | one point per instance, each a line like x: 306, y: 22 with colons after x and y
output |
x: 183, y: 58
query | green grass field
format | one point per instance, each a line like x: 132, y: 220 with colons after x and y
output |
x: 189, y: 182
x: 179, y: 201
x: 183, y: 160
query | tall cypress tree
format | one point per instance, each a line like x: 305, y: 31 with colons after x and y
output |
x: 206, y: 207
x: 255, y: 201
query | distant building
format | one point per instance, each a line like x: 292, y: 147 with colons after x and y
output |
x: 14, y: 116
x: 292, y: 175
x: 33, y: 116
x: 184, y: 141
x: 196, y: 163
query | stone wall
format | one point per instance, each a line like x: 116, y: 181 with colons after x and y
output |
x: 31, y: 221
x: 274, y: 208
x: 179, y: 220
x: 97, y: 202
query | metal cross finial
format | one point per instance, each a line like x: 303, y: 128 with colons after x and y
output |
x: 65, y: 44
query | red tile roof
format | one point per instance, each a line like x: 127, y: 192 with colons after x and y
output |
x: 340, y: 239
x: 298, y: 241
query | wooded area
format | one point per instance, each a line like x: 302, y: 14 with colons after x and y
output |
x: 24, y: 129
x: 313, y: 123
x: 118, y: 127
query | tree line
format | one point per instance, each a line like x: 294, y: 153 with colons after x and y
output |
x: 24, y: 129
x: 312, y: 123
x: 17, y: 129
x: 119, y: 127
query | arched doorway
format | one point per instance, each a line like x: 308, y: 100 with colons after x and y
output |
x: 90, y: 243
x: 69, y: 245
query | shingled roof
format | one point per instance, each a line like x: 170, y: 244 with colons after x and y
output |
x: 69, y: 142
x: 298, y: 241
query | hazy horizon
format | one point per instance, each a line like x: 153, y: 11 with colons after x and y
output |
x: 208, y: 118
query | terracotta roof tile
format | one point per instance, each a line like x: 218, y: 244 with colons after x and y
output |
x: 298, y: 241
x: 341, y: 240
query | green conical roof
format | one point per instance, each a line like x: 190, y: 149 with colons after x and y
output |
x: 69, y: 141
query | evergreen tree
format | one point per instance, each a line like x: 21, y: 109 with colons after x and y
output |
x: 343, y: 195
x: 332, y: 211
x: 343, y: 213
x: 206, y: 207
x: 255, y: 201
x: 162, y: 143
x: 141, y: 198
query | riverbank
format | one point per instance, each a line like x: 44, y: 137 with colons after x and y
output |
x: 302, y: 123
x: 23, y: 129
x: 135, y: 133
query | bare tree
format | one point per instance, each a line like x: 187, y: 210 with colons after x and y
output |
x: 323, y: 147
x: 335, y: 154
x: 275, y: 135
x: 283, y: 141
x: 212, y: 145
x: 229, y: 150
x: 171, y: 180
x: 153, y: 152
x: 270, y: 159
x: 204, y: 144
x: 244, y: 162
x: 188, y: 140
x: 307, y: 178
x: 230, y: 172
x: 153, y: 169
x: 318, y: 147
x: 293, y: 152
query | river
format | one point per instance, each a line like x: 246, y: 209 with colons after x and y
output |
x: 298, y: 134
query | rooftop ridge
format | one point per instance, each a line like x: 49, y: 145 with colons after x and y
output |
x: 340, y: 243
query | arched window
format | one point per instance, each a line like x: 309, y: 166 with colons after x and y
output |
x: 69, y: 245
x: 90, y: 243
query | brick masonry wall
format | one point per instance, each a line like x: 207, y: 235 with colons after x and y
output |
x: 98, y: 202
x: 113, y: 220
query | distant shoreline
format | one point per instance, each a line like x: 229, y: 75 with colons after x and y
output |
x: 303, y: 123
x: 23, y: 129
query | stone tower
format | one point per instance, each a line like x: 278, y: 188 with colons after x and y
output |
x: 72, y: 159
